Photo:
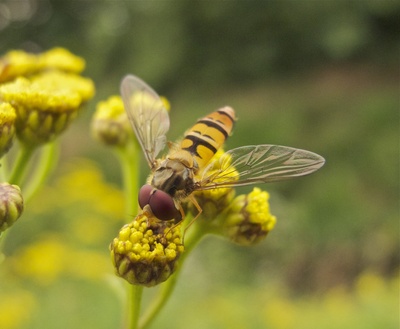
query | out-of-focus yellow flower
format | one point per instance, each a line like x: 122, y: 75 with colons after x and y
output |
x: 57, y: 80
x: 43, y: 261
x: 81, y: 186
x: 249, y: 220
x: 166, y: 103
x: 144, y: 253
x: 110, y: 123
x: 17, y: 63
x: 52, y: 258
x: 61, y: 59
x: 11, y: 205
x: 42, y: 113
x: 7, y: 128
x: 16, y: 309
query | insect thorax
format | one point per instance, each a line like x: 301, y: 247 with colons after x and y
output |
x: 175, y: 175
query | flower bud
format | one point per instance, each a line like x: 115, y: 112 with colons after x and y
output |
x: 146, y: 252
x: 11, y: 205
x: 7, y: 128
x: 110, y: 124
x: 249, y: 220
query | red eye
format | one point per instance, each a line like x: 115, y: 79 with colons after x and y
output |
x: 144, y: 195
x: 162, y: 205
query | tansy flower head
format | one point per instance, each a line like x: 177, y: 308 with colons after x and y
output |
x: 17, y: 63
x: 214, y: 201
x: 57, y: 80
x: 61, y: 59
x: 146, y: 251
x: 248, y: 219
x: 110, y: 123
x: 42, y: 112
x: 11, y: 205
x: 7, y: 128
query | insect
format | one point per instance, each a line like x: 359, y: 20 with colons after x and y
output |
x: 187, y: 167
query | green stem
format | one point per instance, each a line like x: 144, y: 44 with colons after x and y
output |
x: 196, y: 233
x: 48, y: 158
x: 129, y: 159
x: 135, y: 302
x: 130, y: 174
x: 3, y: 169
x: 21, y: 164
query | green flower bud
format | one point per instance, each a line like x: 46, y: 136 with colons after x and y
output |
x: 11, y: 205
x: 7, y: 128
x: 249, y: 220
x: 110, y: 124
x: 146, y: 252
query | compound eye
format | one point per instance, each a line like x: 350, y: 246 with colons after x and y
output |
x: 162, y: 205
x: 144, y: 195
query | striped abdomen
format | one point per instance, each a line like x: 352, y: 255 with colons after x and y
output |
x: 209, y: 134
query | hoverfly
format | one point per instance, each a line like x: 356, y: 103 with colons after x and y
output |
x: 186, y: 168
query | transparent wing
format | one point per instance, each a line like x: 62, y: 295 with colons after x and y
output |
x: 147, y: 114
x: 258, y: 164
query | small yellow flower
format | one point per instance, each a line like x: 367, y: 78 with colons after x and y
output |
x: 42, y: 112
x: 249, y: 220
x: 214, y: 201
x: 11, y: 205
x: 17, y: 308
x: 110, y: 123
x: 61, y: 59
x: 7, y: 128
x: 17, y: 63
x: 146, y: 252
x: 57, y: 80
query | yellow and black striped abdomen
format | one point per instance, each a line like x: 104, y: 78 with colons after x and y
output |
x: 208, y: 135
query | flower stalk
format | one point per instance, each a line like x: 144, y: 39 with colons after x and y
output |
x: 21, y: 164
x: 129, y: 159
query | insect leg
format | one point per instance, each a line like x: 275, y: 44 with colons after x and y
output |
x: 196, y: 204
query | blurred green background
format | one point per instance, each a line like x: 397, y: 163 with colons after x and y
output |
x: 318, y: 75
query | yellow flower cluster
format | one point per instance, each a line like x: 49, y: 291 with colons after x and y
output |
x: 249, y: 220
x: 145, y: 253
x: 45, y: 91
x: 245, y: 219
x: 20, y: 63
x: 110, y: 123
x: 215, y: 201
